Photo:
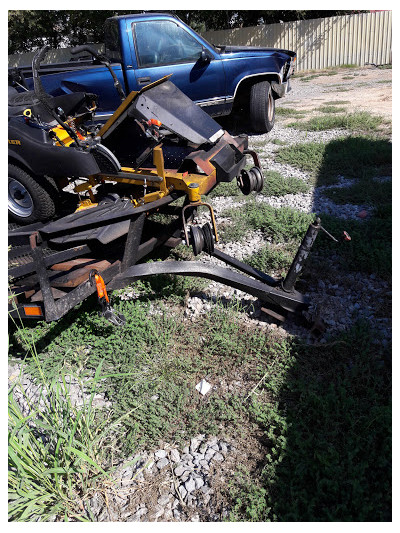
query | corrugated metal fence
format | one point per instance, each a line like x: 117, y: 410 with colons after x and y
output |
x: 320, y: 43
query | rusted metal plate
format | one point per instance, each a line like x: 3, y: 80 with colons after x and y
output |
x: 78, y: 276
x: 67, y: 265
x: 38, y: 297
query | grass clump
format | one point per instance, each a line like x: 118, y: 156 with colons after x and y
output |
x: 370, y: 248
x: 225, y: 190
x: 331, y: 109
x: 337, y: 102
x: 277, y: 185
x: 351, y: 157
x: 270, y: 258
x: 359, y: 121
x: 288, y: 112
x: 59, y: 454
x: 281, y: 225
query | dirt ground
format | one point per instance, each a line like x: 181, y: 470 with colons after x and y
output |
x: 365, y: 89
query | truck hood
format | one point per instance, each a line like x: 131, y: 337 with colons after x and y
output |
x: 250, y: 51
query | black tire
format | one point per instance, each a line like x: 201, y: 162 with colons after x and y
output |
x: 30, y: 199
x: 262, y: 107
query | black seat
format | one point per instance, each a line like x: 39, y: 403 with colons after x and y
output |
x: 26, y: 98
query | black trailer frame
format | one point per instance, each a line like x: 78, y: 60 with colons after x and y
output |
x: 42, y: 246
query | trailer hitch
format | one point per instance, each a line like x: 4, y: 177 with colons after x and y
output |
x: 117, y: 319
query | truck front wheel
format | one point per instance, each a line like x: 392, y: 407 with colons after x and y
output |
x: 262, y: 107
x: 30, y: 199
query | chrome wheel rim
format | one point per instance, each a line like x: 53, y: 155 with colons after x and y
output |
x: 20, y: 202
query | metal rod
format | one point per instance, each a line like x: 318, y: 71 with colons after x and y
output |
x: 301, y: 255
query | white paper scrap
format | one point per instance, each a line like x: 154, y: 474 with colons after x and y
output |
x: 203, y: 387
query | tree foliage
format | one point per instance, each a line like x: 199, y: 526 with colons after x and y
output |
x: 30, y: 29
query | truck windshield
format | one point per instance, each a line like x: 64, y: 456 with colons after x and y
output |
x: 163, y: 42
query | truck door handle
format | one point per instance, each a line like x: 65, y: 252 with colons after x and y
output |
x: 142, y: 81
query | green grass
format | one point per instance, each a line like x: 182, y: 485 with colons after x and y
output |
x: 363, y: 192
x: 337, y: 102
x: 59, y: 453
x: 321, y: 414
x: 325, y: 413
x: 318, y: 74
x: 288, y: 112
x: 352, y: 157
x: 370, y: 248
x: 225, y: 190
x: 281, y: 225
x: 272, y: 258
x: 277, y: 185
x: 359, y: 121
x: 331, y: 109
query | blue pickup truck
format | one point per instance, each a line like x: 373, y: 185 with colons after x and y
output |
x: 146, y: 47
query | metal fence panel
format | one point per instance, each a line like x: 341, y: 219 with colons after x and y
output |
x: 321, y: 43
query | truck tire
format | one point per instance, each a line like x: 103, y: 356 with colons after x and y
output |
x: 262, y: 107
x: 30, y: 199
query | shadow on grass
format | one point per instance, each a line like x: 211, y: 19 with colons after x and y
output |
x: 329, y: 436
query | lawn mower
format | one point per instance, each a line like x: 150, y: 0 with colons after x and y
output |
x: 83, y: 195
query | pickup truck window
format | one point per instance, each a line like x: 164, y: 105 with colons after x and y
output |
x: 163, y: 42
x: 111, y: 41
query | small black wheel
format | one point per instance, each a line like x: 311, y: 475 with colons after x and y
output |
x: 259, y: 178
x: 262, y: 107
x: 208, y: 238
x: 30, y: 199
x: 247, y: 182
x: 197, y: 239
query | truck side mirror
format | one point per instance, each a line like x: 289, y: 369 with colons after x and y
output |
x: 205, y: 56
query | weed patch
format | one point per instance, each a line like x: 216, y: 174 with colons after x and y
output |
x: 331, y: 109
x: 270, y: 258
x: 280, y: 225
x: 324, y: 462
x: 352, y: 157
x: 277, y: 185
x: 288, y: 112
x: 363, y: 192
x: 359, y: 121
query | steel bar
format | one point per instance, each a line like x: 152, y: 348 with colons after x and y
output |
x: 293, y: 301
x: 247, y: 269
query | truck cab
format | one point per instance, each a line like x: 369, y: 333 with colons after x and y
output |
x: 144, y: 48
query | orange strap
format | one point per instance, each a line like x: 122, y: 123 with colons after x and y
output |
x: 101, y: 287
